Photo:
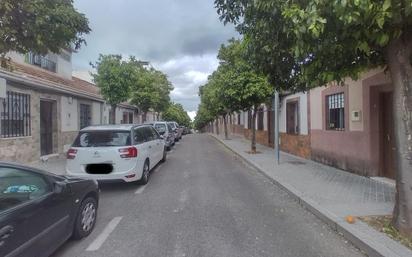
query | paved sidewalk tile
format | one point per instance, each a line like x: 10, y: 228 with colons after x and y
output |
x: 52, y: 165
x: 343, y: 192
x: 329, y: 193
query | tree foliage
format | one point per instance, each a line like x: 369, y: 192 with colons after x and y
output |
x: 235, y: 85
x: 175, y: 112
x: 115, y: 77
x: 151, y: 89
x: 303, y: 44
x: 40, y: 26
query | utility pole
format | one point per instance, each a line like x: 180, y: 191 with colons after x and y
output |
x: 276, y: 126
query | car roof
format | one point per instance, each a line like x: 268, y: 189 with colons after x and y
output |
x: 26, y: 167
x: 111, y: 127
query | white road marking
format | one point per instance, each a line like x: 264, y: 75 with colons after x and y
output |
x: 140, y: 190
x: 98, y: 242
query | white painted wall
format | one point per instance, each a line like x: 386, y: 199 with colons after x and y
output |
x: 105, y: 113
x: 69, y: 114
x: 64, y: 67
x: 265, y: 118
x: 96, y: 113
x: 303, y: 113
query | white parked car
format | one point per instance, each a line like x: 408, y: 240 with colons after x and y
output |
x: 116, y: 152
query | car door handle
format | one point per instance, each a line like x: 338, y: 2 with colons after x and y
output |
x: 5, y: 232
x: 150, y: 146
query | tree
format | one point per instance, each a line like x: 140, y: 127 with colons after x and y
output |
x: 241, y: 86
x: 115, y: 77
x: 334, y: 39
x: 151, y: 89
x: 40, y: 26
x: 175, y: 112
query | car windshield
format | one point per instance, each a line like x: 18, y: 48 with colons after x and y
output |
x: 102, y: 139
x: 161, y: 128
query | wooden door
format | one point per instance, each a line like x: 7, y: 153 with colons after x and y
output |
x: 387, y: 137
x: 46, y: 127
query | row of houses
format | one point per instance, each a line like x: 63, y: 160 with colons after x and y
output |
x: 349, y: 127
x: 42, y: 106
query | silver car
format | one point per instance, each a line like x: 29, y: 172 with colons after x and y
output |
x: 166, y: 131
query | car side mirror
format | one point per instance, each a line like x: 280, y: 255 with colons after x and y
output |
x: 175, y: 130
x: 59, y: 187
x: 162, y: 137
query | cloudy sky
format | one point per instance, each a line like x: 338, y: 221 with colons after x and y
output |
x: 179, y: 37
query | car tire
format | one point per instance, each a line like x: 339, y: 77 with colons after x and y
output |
x: 86, y: 218
x: 145, y: 174
x: 164, y: 156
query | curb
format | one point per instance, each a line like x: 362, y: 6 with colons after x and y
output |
x: 381, y: 247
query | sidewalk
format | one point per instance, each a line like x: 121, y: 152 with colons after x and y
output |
x: 329, y: 193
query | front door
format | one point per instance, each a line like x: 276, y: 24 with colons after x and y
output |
x: 46, y: 127
x: 387, y: 137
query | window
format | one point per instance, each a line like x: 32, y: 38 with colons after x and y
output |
x: 85, y: 115
x: 20, y: 186
x: 161, y: 128
x: 335, y: 105
x: 292, y: 117
x: 102, y: 139
x: 260, y: 113
x: 41, y: 61
x: 139, y: 136
x: 148, y: 135
x: 130, y: 118
x: 154, y: 133
x: 127, y: 118
x: 15, y: 115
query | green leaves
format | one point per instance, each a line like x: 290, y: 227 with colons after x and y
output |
x: 40, y: 26
x: 175, y: 112
x: 235, y: 85
x: 151, y: 89
x: 114, y: 77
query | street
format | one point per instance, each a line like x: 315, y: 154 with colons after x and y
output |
x: 204, y: 202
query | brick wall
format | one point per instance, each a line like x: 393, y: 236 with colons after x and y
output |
x: 296, y: 144
x: 261, y: 136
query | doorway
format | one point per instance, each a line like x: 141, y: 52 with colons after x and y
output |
x: 46, y: 127
x: 387, y: 138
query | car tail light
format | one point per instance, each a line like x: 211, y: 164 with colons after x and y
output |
x: 71, y: 154
x: 129, y: 152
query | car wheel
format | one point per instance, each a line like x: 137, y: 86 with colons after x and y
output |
x: 86, y: 218
x: 164, y: 155
x: 145, y: 174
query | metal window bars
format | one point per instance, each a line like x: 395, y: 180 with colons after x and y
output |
x: 15, y: 117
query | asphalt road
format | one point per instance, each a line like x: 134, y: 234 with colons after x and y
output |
x: 205, y: 202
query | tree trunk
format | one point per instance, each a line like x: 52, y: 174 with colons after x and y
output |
x: 253, y: 145
x: 113, y: 114
x: 398, y: 58
x: 217, y: 126
x: 225, y: 126
x: 144, y: 117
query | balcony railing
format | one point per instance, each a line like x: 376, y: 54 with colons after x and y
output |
x: 41, y: 62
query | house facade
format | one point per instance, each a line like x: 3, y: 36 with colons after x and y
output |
x: 349, y: 127
x: 42, y: 107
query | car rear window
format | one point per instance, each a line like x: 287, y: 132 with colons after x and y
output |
x: 161, y: 128
x: 102, y: 139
